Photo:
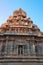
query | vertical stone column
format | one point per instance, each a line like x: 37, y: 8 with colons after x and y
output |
x: 15, y: 48
x: 23, y: 50
x: 18, y: 30
x: 3, y: 48
x: 33, y: 48
x: 36, y: 50
x: 1, y: 42
x: 28, y: 48
x: 11, y: 47
x: 6, y: 47
x: 15, y: 29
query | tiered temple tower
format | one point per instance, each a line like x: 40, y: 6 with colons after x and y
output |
x: 21, y: 41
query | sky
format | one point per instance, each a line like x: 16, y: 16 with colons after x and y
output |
x: 33, y: 8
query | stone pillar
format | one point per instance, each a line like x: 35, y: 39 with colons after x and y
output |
x: 15, y: 48
x: 6, y: 47
x: 23, y: 50
x: 28, y: 48
x: 1, y: 46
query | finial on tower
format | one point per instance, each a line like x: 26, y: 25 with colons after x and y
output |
x: 19, y: 12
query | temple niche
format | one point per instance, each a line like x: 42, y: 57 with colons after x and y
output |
x: 21, y: 41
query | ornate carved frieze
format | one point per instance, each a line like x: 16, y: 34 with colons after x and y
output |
x: 19, y: 19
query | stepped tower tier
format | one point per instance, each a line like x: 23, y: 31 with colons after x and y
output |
x: 19, y: 22
x: 21, y: 41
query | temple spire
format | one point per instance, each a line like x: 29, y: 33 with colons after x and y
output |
x: 19, y: 19
x: 19, y: 12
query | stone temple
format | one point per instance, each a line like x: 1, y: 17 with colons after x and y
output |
x: 21, y: 41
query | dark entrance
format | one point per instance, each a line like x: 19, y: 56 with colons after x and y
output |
x: 20, y: 49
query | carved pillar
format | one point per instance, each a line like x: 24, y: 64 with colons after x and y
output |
x: 6, y: 47
x: 28, y: 47
x: 23, y: 49
x: 1, y: 42
x: 15, y: 47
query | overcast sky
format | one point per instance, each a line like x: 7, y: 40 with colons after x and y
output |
x: 33, y: 8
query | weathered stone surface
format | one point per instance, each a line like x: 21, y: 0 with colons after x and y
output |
x: 18, y: 21
x: 21, y: 41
